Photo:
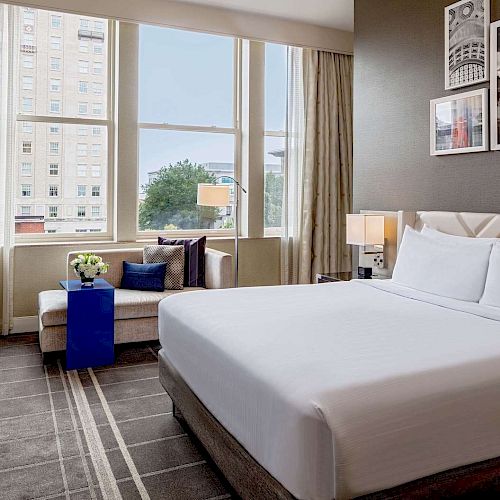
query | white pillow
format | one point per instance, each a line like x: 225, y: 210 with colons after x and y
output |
x: 491, y: 295
x: 451, y: 238
x: 442, y: 268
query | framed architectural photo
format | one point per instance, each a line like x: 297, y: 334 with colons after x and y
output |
x: 495, y: 85
x: 466, y: 43
x: 459, y: 123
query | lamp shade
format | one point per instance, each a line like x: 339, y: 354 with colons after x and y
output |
x: 365, y: 229
x: 213, y: 195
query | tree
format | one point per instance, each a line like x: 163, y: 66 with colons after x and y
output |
x: 273, y: 200
x: 170, y: 199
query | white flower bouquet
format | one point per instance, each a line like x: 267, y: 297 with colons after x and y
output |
x: 88, y: 266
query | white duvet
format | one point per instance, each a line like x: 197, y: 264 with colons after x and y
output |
x: 346, y: 388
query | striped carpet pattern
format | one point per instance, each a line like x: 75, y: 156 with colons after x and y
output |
x: 104, y: 433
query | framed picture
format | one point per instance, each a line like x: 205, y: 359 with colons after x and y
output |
x: 459, y: 123
x: 495, y: 85
x: 466, y: 29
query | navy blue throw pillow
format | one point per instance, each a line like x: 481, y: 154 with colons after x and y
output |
x: 144, y: 276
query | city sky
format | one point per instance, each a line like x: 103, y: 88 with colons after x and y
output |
x: 186, y: 78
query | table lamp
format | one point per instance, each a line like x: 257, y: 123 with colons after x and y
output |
x: 367, y: 230
x: 218, y: 195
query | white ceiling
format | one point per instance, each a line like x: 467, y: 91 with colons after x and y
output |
x: 331, y: 13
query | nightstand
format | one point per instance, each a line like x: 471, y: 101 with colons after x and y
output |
x: 333, y: 277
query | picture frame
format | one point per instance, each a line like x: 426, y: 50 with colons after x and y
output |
x: 459, y: 123
x: 495, y: 86
x: 466, y: 29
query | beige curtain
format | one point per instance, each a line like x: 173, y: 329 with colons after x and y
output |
x: 327, y: 165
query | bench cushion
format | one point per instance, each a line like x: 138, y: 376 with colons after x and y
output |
x: 129, y: 304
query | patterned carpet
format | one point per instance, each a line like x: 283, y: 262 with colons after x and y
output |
x: 92, y: 434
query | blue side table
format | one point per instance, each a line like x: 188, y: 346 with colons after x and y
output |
x: 90, y: 325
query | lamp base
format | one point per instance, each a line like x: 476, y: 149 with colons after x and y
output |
x: 365, y: 273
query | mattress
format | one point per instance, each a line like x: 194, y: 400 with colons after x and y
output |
x: 342, y: 389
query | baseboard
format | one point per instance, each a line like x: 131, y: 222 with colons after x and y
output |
x: 24, y: 324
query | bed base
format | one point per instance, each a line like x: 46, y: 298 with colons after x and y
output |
x: 251, y: 481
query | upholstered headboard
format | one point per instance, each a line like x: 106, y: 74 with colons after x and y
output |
x: 473, y: 225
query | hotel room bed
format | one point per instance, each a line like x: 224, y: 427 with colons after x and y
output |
x: 343, y: 389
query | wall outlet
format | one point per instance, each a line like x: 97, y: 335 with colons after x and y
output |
x: 378, y: 261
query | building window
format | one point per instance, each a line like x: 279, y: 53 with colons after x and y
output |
x: 81, y: 211
x: 26, y: 169
x: 28, y: 42
x: 54, y: 169
x: 51, y: 231
x: 96, y: 149
x: 84, y: 46
x: 83, y: 108
x: 96, y: 131
x: 97, y: 68
x: 84, y: 24
x: 81, y: 170
x: 53, y: 211
x: 81, y: 149
x: 55, y: 42
x: 26, y: 147
x: 97, y: 88
x: 98, y: 48
x: 27, y: 105
x: 54, y: 148
x: 55, y: 21
x: 83, y: 87
x: 25, y: 210
x: 96, y: 191
x: 97, y: 108
x: 54, y: 128
x: 27, y: 83
x: 27, y: 127
x: 26, y: 190
x: 29, y: 17
x: 96, y: 170
x: 81, y: 191
x: 28, y: 62
x: 96, y: 211
x: 94, y: 230
x: 55, y: 64
x: 53, y: 190
x: 99, y: 26
x: 55, y: 106
x: 55, y: 85
x: 83, y: 67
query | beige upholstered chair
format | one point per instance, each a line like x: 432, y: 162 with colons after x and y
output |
x: 136, y: 312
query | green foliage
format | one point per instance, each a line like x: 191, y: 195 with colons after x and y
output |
x: 170, y: 199
x: 273, y: 200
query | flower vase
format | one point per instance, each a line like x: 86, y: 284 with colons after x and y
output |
x: 87, y: 281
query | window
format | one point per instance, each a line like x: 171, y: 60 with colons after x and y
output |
x: 27, y: 128
x: 96, y: 211
x: 26, y: 169
x: 26, y: 147
x: 53, y: 211
x: 55, y: 106
x: 83, y: 87
x: 83, y: 67
x: 81, y: 190
x: 54, y: 169
x: 96, y: 170
x: 81, y: 211
x: 276, y: 74
x: 205, y: 105
x: 96, y: 149
x: 55, y: 64
x: 28, y: 62
x: 97, y: 48
x: 84, y: 46
x: 54, y: 148
x: 81, y: 149
x: 27, y: 83
x: 83, y: 131
x: 81, y: 170
x: 55, y: 21
x: 53, y: 190
x: 55, y: 42
x: 54, y: 128
x: 25, y: 210
x: 96, y: 191
x: 27, y: 105
x: 83, y: 108
x: 29, y: 17
x: 94, y: 230
x: 97, y: 88
x: 97, y: 108
x: 51, y: 231
x: 55, y: 85
x: 25, y: 190
x: 84, y: 24
x: 29, y: 42
x: 96, y: 131
x: 97, y: 68
x: 99, y: 26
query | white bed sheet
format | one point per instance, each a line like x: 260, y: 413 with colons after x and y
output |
x: 342, y: 389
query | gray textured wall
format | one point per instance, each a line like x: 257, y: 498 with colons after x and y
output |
x: 398, y: 68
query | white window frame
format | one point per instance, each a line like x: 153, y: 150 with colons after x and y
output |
x: 83, y: 209
x: 27, y: 82
x: 28, y: 61
x: 54, y: 128
x: 22, y: 210
x: 53, y: 191
x: 53, y: 167
x: 83, y: 87
x: 53, y: 66
x: 81, y: 169
x: 27, y: 147
x: 28, y: 188
x: 54, y: 148
x: 107, y: 123
x: 83, y: 108
x: 81, y: 193
x: 53, y: 104
x: 58, y: 21
x: 27, y: 100
x: 85, y: 65
x: 25, y: 171
x: 95, y: 189
x: 27, y: 128
x: 52, y: 211
x: 55, y: 42
x: 55, y: 85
